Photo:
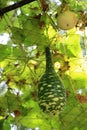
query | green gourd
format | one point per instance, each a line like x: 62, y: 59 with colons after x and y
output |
x: 51, y: 92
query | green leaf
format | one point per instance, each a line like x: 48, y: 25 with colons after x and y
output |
x: 6, y: 125
x: 34, y: 35
x: 17, y: 53
x: 31, y: 9
x: 3, y: 25
x: 1, y: 124
x: 13, y: 101
x: 5, y: 51
x: 17, y: 35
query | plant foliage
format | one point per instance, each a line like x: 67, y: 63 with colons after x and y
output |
x: 31, y: 28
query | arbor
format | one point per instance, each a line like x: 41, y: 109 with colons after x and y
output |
x: 30, y: 28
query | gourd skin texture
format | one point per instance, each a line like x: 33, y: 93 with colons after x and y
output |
x: 66, y: 20
x: 51, y: 92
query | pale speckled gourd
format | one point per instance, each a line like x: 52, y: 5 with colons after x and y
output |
x: 51, y: 92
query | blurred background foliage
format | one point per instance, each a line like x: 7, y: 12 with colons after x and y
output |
x: 27, y: 31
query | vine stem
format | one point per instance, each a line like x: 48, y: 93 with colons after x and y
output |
x: 14, y: 6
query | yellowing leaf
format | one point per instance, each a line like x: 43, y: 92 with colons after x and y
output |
x: 51, y: 32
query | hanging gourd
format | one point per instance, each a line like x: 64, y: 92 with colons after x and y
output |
x: 66, y: 20
x: 51, y: 92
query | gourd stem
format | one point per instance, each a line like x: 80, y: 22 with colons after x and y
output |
x: 49, y: 63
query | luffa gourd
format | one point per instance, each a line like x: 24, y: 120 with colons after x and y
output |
x: 51, y: 92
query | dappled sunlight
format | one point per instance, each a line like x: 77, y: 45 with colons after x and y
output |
x: 27, y: 30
